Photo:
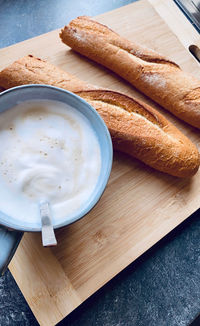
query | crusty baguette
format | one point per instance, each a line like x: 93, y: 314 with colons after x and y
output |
x: 153, y: 74
x: 135, y: 127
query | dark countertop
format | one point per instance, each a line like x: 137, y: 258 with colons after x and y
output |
x: 163, y: 286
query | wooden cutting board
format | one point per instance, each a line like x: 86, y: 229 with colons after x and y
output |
x: 139, y: 206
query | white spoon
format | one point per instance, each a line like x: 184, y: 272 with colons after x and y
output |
x: 48, y: 235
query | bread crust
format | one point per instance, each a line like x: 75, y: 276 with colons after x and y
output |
x: 135, y: 127
x: 153, y: 74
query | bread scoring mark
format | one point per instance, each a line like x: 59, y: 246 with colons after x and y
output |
x: 193, y: 95
x: 147, y: 123
x: 151, y: 59
x: 123, y: 102
x: 147, y: 58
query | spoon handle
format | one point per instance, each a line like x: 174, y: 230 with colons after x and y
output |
x: 48, y: 235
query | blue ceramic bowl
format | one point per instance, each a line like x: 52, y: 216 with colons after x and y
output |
x: 12, y: 97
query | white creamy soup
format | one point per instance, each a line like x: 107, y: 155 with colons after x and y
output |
x: 48, y: 150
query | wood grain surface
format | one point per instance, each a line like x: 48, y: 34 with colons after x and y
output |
x: 139, y: 206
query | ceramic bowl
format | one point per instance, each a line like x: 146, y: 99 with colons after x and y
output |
x: 14, y: 96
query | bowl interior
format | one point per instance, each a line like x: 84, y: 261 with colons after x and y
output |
x: 14, y: 96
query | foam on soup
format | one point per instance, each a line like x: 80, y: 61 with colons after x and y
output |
x: 48, y: 150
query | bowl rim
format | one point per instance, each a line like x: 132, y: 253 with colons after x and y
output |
x: 4, y: 219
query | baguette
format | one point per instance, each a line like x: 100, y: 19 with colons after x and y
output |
x: 156, y: 76
x: 135, y: 127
